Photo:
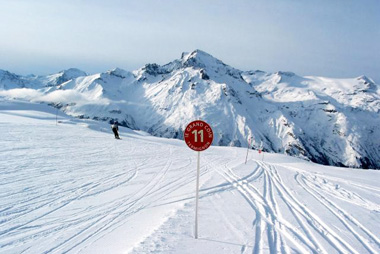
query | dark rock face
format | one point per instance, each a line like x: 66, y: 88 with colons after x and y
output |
x: 155, y: 69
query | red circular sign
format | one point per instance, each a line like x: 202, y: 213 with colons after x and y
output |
x: 198, y: 135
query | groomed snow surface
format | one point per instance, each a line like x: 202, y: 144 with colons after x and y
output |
x: 72, y: 188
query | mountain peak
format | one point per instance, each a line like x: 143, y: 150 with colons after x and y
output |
x: 7, y: 73
x: 365, y: 79
x: 71, y: 73
x: 118, y: 72
x: 60, y: 77
x: 199, y: 59
x: 196, y: 53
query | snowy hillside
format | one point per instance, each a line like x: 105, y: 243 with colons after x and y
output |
x: 72, y: 188
x: 329, y: 121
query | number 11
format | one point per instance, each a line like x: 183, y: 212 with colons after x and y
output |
x: 195, y: 132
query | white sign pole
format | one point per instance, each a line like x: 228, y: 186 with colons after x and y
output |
x: 197, y: 197
x: 246, y: 157
x: 56, y: 117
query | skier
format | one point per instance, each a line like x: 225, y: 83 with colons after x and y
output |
x: 115, y: 129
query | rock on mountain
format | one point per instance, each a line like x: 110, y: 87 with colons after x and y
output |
x: 329, y: 121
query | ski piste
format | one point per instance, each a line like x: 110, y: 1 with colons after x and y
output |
x: 68, y: 188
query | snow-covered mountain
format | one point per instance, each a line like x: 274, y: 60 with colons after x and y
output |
x: 10, y: 80
x: 329, y: 121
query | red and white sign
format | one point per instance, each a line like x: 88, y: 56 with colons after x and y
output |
x: 198, y: 135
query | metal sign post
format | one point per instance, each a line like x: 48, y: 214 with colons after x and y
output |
x: 198, y: 136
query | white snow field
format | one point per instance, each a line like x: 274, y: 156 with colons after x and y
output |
x: 72, y: 188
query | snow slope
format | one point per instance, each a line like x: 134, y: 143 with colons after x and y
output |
x: 326, y: 120
x: 72, y: 188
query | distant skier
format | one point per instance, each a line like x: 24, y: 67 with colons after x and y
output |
x: 115, y: 129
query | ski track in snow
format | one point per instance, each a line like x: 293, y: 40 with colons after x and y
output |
x: 277, y: 230
x: 64, y: 188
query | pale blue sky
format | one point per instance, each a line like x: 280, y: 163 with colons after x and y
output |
x: 335, y: 38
